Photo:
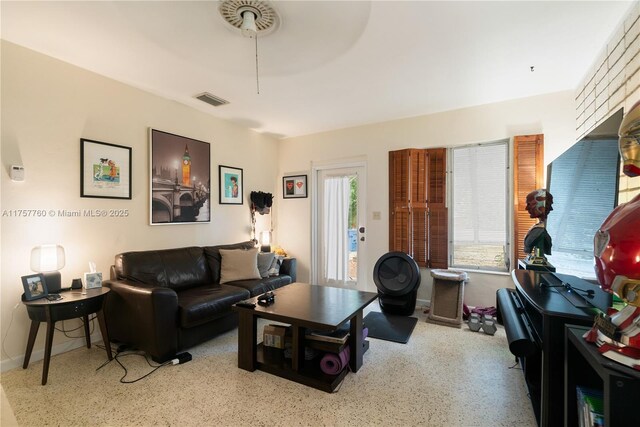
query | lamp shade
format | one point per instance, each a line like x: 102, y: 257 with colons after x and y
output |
x: 265, y: 241
x: 46, y: 258
x: 265, y: 238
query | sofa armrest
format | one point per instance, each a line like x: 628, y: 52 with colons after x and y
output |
x: 143, y: 316
x: 289, y: 266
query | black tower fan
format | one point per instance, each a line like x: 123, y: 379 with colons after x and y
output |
x: 397, y: 278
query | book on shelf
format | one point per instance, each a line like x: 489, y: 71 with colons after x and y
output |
x: 339, y: 336
x: 629, y: 356
x: 590, y: 407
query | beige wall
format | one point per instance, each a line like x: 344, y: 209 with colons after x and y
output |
x: 552, y: 115
x: 47, y: 106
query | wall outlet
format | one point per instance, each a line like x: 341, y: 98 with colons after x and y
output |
x: 377, y: 215
x: 17, y: 173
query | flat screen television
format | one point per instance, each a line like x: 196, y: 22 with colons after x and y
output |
x: 584, y: 183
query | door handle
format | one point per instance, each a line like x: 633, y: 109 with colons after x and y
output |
x: 361, y: 229
x: 362, y: 239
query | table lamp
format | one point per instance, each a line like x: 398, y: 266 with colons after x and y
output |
x: 48, y: 260
x: 265, y: 241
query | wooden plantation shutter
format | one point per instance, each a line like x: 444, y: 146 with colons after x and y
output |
x: 437, y: 202
x: 400, y: 223
x: 418, y: 218
x: 418, y: 206
x: 528, y: 168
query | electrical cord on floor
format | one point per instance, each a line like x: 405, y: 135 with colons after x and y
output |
x: 120, y: 354
x: 516, y: 366
x: 178, y: 360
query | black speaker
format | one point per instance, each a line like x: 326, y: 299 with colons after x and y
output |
x: 397, y: 277
x: 76, y: 284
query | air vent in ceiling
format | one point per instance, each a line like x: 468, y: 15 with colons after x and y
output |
x: 211, y: 99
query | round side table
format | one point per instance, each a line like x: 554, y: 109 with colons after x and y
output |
x: 73, y: 304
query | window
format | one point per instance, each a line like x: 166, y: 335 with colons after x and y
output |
x: 479, y: 206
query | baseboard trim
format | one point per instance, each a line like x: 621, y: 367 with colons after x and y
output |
x: 36, y: 355
x: 424, y: 302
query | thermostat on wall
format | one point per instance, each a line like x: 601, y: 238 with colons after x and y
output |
x: 17, y: 173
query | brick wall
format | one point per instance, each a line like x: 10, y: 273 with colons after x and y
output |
x: 612, y: 83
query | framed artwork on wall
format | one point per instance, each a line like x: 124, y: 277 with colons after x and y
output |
x: 180, y: 180
x: 294, y: 186
x: 105, y: 170
x: 231, y: 184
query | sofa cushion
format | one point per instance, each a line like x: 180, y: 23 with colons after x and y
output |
x: 265, y: 259
x: 177, y: 269
x: 239, y: 264
x: 205, y: 303
x: 212, y: 253
x: 274, y: 269
x: 259, y: 287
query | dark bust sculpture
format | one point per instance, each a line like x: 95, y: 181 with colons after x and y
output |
x: 537, y: 242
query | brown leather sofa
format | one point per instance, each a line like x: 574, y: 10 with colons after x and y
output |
x: 165, y: 301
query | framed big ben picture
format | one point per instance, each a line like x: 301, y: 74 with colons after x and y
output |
x: 180, y: 183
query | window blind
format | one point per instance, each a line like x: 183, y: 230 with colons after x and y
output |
x: 480, y: 192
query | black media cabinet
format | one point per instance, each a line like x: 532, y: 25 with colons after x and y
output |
x: 534, y: 319
x: 584, y: 366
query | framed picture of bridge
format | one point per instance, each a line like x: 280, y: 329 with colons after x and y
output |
x: 180, y: 182
x: 105, y: 170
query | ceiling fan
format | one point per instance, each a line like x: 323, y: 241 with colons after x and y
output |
x: 252, y: 17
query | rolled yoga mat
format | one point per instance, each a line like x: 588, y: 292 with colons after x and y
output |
x: 333, y: 364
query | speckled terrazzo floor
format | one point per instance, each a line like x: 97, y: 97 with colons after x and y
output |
x: 442, y: 377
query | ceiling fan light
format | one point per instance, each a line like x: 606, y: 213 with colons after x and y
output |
x: 249, y: 24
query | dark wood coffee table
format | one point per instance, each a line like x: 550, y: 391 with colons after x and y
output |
x: 303, y: 306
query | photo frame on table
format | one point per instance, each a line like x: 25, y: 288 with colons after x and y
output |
x: 35, y: 287
x: 105, y: 170
x: 92, y: 280
x: 231, y: 185
x: 294, y: 187
x: 180, y: 181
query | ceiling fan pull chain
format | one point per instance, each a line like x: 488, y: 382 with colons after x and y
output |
x: 257, y: 80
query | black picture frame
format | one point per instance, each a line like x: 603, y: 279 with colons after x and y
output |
x: 35, y: 287
x: 180, y: 179
x: 294, y: 187
x: 230, y: 192
x: 105, y: 170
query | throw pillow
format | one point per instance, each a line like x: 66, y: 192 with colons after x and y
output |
x: 274, y: 270
x: 265, y: 259
x: 239, y: 264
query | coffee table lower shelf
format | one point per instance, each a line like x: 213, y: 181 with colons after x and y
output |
x: 272, y: 360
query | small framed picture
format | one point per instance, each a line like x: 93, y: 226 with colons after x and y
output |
x: 230, y: 185
x: 92, y: 280
x: 105, y: 170
x: 35, y: 287
x: 294, y: 187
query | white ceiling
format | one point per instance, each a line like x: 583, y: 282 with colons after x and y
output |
x: 329, y: 64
